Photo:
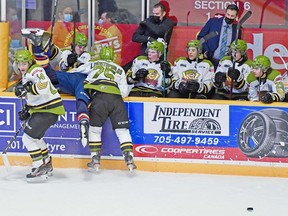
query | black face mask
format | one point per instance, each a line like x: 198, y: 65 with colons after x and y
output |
x: 155, y: 19
x: 229, y: 21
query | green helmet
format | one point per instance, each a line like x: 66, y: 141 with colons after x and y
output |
x: 107, y: 53
x: 193, y: 43
x: 156, y: 45
x: 23, y: 56
x: 81, y: 39
x: 262, y: 62
x: 240, y: 46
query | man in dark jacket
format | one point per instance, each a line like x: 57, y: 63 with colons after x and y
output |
x: 227, y: 31
x: 156, y: 26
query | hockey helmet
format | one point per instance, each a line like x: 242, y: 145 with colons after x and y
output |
x: 156, y: 45
x: 23, y: 56
x: 81, y: 39
x: 263, y: 62
x: 241, y: 46
x: 193, y: 43
x: 107, y: 53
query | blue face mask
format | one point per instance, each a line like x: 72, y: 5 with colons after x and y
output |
x: 68, y: 17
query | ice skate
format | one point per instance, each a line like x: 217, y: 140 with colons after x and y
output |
x: 37, y: 174
x: 94, y: 165
x: 128, y: 157
x: 33, y: 34
x: 49, y: 167
x: 84, y: 133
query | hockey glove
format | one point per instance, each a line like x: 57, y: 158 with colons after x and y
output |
x: 192, y: 86
x: 24, y: 114
x: 220, y: 77
x: 234, y: 74
x: 141, y: 74
x: 19, y: 90
x: 267, y: 98
x: 183, y: 88
x: 28, y: 86
x: 71, y: 59
x: 166, y: 68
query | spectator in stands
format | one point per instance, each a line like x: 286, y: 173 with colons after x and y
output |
x: 217, y: 47
x: 106, y: 6
x: 63, y: 29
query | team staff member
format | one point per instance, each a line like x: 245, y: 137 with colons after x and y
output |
x: 215, y: 48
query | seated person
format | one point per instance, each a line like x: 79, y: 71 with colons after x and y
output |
x: 265, y: 83
x: 192, y: 75
x: 231, y: 73
x: 148, y: 75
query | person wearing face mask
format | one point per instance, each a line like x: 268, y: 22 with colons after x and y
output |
x: 217, y: 47
x: 154, y: 27
x: 63, y: 29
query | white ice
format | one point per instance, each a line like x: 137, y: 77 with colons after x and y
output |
x: 75, y: 192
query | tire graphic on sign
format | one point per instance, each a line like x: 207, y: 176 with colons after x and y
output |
x: 264, y: 133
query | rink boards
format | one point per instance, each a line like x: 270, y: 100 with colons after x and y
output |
x: 174, y: 135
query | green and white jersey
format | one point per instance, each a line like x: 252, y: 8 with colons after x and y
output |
x: 273, y: 83
x: 154, y: 79
x: 244, y: 68
x: 43, y: 97
x: 82, y: 59
x: 105, y: 76
x: 185, y: 69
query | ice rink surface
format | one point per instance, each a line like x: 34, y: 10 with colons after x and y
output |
x: 75, y: 192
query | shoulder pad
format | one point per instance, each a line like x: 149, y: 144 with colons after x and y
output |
x: 228, y: 58
x: 249, y: 62
x: 208, y: 61
x: 274, y: 73
x: 142, y: 57
x: 251, y: 77
x: 180, y: 58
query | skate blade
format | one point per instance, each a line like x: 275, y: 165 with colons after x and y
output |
x: 131, y: 168
x: 49, y: 174
x: 38, y: 179
x: 94, y: 169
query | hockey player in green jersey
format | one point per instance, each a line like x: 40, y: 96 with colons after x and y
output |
x: 43, y: 107
x: 106, y: 84
x: 231, y: 73
x: 149, y: 76
x: 192, y: 75
x: 265, y: 83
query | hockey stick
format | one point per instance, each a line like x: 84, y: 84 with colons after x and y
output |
x: 75, y: 18
x: 4, y: 153
x: 239, y: 24
x: 165, y: 59
x: 52, y: 28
